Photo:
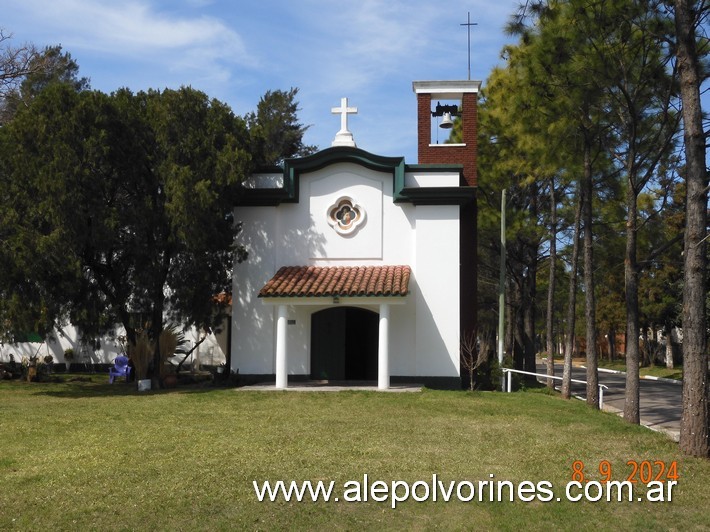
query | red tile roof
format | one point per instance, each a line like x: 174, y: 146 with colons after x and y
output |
x: 324, y: 281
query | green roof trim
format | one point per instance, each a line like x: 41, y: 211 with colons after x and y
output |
x: 433, y: 195
x: 294, y: 167
x: 340, y: 154
x: 436, y: 195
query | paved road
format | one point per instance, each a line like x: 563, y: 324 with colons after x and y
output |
x: 660, y: 402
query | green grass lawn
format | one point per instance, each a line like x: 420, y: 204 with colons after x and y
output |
x: 620, y: 365
x: 87, y: 455
x: 654, y: 371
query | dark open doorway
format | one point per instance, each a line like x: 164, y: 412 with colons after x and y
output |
x: 344, y: 344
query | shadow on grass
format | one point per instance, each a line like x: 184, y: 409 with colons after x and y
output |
x: 81, y: 392
x: 95, y: 385
x: 526, y: 383
x: 677, y: 375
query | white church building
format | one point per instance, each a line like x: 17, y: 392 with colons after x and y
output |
x: 362, y: 267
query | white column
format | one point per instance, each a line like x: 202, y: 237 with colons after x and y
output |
x: 281, y: 351
x: 383, y: 354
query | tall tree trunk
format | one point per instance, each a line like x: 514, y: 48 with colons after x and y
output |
x: 510, y: 306
x: 156, y: 327
x: 571, y: 305
x: 611, y: 338
x: 589, y: 302
x: 631, y: 397
x: 550, y: 317
x: 695, y: 420
x: 518, y: 332
x: 646, y: 357
x: 157, y: 318
x: 668, y: 332
x: 528, y: 312
x: 658, y: 346
x: 530, y: 292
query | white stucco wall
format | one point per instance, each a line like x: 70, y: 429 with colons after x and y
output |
x: 253, y: 325
x: 437, y: 258
x: 424, y: 332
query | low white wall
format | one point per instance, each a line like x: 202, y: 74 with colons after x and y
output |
x: 211, y: 352
x: 57, y: 342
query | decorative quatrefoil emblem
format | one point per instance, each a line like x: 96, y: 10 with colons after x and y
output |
x: 345, y: 216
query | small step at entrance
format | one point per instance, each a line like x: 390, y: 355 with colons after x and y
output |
x: 333, y: 386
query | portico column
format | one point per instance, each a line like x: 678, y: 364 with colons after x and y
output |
x: 383, y: 355
x: 281, y: 351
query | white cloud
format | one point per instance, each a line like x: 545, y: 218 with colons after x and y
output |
x: 134, y: 28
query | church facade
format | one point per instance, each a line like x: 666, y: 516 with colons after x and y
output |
x: 361, y: 267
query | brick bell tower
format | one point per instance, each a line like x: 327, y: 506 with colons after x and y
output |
x: 438, y: 103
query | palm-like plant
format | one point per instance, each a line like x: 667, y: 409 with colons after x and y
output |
x: 171, y: 340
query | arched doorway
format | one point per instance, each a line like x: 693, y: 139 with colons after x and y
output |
x: 344, y: 344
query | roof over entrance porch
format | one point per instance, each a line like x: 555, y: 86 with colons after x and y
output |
x: 304, y: 285
x: 338, y: 281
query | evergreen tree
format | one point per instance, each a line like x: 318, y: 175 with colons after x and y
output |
x: 274, y: 129
x: 136, y: 215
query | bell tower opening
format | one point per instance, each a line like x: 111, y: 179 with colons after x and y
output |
x: 446, y: 103
x: 446, y: 122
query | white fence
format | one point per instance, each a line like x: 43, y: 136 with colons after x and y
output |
x: 509, y: 382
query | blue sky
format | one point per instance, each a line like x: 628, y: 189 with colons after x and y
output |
x: 369, y: 51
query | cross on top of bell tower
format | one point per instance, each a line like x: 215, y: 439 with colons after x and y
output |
x: 344, y: 137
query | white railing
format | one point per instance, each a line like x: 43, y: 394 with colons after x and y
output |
x: 509, y: 382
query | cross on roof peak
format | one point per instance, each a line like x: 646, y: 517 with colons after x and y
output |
x: 344, y: 137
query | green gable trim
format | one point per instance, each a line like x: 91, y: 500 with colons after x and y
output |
x: 433, y: 195
x: 263, y: 197
x: 294, y: 167
x: 344, y: 154
x: 436, y: 195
